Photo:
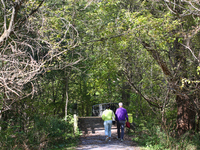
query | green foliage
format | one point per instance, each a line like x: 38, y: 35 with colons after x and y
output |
x: 48, y: 132
x: 108, y: 36
x: 151, y: 137
x: 198, y: 70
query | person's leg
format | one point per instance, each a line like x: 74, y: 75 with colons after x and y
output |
x: 118, y: 129
x: 109, y: 129
x: 122, y: 124
x: 106, y: 129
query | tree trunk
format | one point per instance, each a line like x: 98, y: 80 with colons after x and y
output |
x: 185, y: 109
x: 198, y: 121
x: 126, y: 93
x: 185, y: 115
x: 66, y: 85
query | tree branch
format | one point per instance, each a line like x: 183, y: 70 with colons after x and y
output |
x: 157, y: 57
x: 150, y: 102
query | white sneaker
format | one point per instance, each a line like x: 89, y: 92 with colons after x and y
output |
x: 107, y: 139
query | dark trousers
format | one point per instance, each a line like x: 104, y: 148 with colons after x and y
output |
x: 120, y: 125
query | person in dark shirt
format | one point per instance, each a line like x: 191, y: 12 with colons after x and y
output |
x: 121, y: 117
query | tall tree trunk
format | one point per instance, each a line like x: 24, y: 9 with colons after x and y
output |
x: 66, y: 94
x: 126, y: 93
x: 185, y: 115
x: 63, y: 99
x: 53, y: 93
x: 198, y: 121
x: 185, y: 109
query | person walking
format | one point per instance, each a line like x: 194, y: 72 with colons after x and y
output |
x: 107, y: 116
x: 121, y: 117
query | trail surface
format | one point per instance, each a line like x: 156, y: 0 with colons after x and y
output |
x: 96, y: 141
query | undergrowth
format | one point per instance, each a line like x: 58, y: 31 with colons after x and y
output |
x: 150, y: 137
x: 42, y: 133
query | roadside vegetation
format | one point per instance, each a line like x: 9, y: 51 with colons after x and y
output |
x: 43, y: 133
x: 59, y: 58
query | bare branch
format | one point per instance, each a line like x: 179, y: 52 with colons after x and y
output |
x: 187, y: 47
x: 7, y: 32
x: 28, y: 51
x: 188, y: 7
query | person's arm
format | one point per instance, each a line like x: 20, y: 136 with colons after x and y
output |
x: 113, y: 115
x: 116, y: 115
x: 103, y: 115
x: 126, y: 116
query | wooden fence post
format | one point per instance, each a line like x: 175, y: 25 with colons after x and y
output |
x: 75, y: 123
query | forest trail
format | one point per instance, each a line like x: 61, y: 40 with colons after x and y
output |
x: 95, y: 140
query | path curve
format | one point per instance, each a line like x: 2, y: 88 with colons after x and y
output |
x: 96, y: 141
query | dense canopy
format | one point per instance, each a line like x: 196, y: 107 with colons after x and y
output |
x: 62, y: 57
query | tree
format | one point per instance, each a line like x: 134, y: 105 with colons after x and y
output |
x: 172, y: 58
x: 187, y: 99
x: 28, y: 48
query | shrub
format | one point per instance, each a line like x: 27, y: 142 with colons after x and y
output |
x: 151, y: 137
x: 42, y: 133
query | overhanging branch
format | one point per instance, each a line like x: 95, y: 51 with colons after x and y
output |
x: 149, y: 101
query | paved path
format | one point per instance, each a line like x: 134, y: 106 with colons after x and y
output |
x: 96, y: 141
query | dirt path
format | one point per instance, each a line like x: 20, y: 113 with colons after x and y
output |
x: 96, y: 141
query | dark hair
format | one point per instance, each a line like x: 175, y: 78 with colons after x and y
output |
x: 108, y: 106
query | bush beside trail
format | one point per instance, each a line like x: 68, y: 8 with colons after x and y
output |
x: 42, y: 133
